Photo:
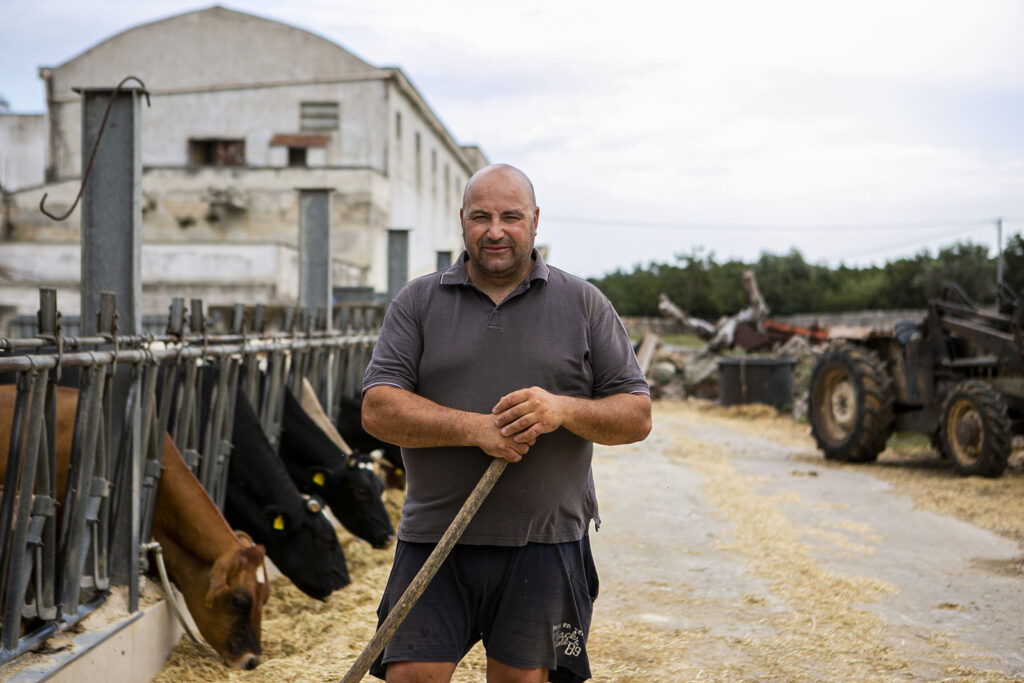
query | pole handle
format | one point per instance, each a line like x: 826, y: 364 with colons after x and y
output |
x: 419, y: 582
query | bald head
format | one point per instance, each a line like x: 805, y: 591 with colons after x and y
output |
x: 510, y: 173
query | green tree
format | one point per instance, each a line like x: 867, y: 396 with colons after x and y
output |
x: 965, y: 264
x: 1013, y: 264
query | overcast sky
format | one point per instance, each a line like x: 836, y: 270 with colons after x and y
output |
x: 855, y: 132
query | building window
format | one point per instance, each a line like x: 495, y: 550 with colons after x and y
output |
x: 216, y: 152
x: 398, y: 125
x: 319, y: 116
x: 419, y: 164
x: 444, y: 259
x: 433, y: 173
x: 447, y: 190
x: 296, y: 156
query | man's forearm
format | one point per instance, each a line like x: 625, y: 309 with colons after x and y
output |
x: 621, y: 418
x: 612, y: 420
x: 406, y: 419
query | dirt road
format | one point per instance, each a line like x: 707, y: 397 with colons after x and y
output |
x: 730, y: 550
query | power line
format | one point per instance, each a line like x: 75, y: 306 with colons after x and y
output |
x: 779, y: 227
x: 917, y: 242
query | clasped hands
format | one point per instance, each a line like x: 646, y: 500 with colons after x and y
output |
x: 518, y: 419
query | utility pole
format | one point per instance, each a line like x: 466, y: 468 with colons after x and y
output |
x: 999, y: 245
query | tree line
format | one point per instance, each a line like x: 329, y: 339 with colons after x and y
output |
x: 707, y: 289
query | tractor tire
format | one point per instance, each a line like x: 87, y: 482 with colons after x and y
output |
x: 975, y: 429
x: 850, y: 406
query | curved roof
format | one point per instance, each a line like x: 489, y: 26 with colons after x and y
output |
x: 210, y: 47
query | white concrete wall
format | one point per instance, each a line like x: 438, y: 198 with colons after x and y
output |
x: 218, y: 73
x: 220, y: 274
x: 22, y: 150
x: 214, y: 72
x: 252, y: 114
x: 421, y: 200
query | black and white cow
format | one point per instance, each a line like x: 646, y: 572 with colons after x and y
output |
x: 262, y: 500
x: 350, y: 426
x: 347, y: 483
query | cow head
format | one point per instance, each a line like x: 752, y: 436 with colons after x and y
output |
x: 304, y: 546
x: 231, y: 614
x: 354, y: 493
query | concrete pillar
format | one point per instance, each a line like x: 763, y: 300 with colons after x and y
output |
x: 315, y: 250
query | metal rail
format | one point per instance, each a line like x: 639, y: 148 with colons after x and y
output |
x: 184, y: 382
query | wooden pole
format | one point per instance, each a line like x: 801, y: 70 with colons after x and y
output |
x: 422, y: 579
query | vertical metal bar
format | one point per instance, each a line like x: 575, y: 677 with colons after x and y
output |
x: 218, y: 405
x: 111, y: 239
x: 223, y: 449
x: 18, y: 567
x: 77, y: 496
x: 112, y: 207
x: 176, y: 317
x: 10, y: 628
x: 315, y: 249
x: 47, y: 567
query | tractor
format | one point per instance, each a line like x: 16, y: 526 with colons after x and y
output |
x: 956, y: 376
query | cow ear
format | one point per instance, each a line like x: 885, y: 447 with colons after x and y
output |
x: 218, y: 582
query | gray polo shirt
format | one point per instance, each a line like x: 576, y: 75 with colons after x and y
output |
x: 445, y: 340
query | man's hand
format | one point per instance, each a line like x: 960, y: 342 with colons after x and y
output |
x: 496, y: 444
x: 525, y: 414
x: 401, y: 417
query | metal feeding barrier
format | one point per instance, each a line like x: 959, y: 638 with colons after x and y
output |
x: 59, y: 556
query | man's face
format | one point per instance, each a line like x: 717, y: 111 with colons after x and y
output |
x: 499, y: 223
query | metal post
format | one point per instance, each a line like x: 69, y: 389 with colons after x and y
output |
x: 999, y: 247
x: 112, y: 208
x: 111, y: 234
x: 315, y: 249
x: 398, y: 261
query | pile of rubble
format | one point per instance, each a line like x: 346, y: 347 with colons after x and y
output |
x: 677, y: 372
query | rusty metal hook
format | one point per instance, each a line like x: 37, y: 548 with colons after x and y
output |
x: 95, y: 146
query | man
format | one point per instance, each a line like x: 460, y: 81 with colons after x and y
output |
x: 500, y: 356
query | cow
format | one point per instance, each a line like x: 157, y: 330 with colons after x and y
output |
x: 350, y: 426
x: 347, y: 483
x: 220, y: 574
x: 261, y: 499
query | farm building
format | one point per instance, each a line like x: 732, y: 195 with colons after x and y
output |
x: 243, y: 111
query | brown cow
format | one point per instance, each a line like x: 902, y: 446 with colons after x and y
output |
x: 221, y: 574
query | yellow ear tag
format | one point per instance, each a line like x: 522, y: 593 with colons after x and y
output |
x: 279, y: 523
x: 319, y: 479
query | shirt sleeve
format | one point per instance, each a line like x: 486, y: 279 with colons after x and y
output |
x: 396, y: 356
x: 614, y: 363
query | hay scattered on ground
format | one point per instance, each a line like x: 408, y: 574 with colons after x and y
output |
x: 825, y: 634
x: 811, y: 624
x: 909, y: 463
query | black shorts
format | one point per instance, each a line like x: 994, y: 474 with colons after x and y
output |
x: 531, y: 606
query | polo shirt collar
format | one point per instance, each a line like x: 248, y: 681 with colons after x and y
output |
x: 456, y: 274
